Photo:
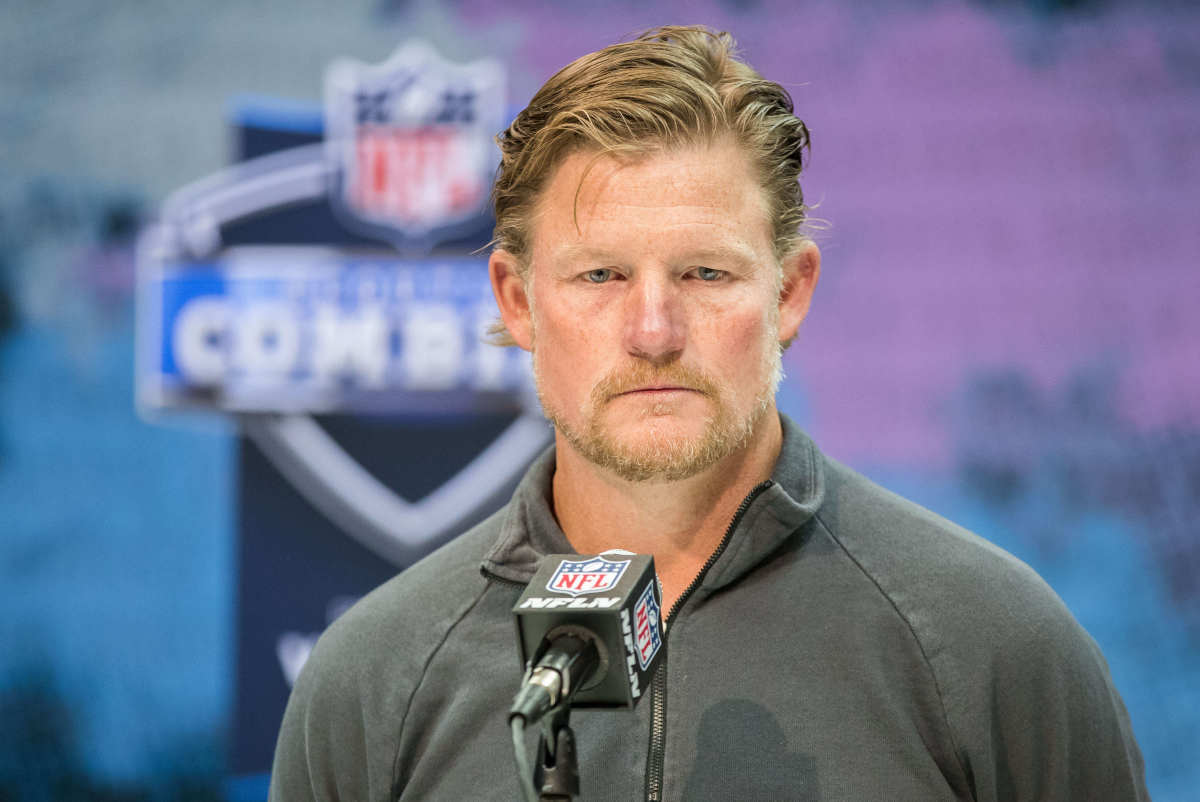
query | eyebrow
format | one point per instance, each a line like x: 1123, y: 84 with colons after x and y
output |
x: 700, y: 256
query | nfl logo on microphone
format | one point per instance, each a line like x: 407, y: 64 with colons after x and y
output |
x: 648, y: 627
x: 594, y: 575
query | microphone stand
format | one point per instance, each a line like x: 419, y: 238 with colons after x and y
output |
x: 557, y: 770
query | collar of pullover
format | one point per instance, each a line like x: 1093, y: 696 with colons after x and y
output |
x: 529, y: 530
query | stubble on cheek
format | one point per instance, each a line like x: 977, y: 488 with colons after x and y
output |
x: 655, y: 449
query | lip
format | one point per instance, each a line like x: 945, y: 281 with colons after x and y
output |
x: 657, y: 390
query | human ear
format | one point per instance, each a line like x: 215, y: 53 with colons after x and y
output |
x: 511, y: 296
x: 801, y: 269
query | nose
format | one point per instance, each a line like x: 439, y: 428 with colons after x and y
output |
x: 655, y: 329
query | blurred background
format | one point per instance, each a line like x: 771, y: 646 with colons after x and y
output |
x: 1005, y: 331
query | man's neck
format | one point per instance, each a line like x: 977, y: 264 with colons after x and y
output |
x: 681, y: 523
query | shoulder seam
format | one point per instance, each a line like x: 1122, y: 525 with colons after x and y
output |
x: 394, y: 792
x: 937, y: 685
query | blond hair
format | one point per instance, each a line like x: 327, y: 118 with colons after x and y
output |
x: 671, y: 86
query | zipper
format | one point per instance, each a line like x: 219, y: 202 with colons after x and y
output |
x: 658, y: 686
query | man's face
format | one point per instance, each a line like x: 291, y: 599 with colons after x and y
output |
x: 654, y: 299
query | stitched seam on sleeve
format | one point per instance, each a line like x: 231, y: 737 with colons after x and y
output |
x: 937, y: 685
x: 395, y: 790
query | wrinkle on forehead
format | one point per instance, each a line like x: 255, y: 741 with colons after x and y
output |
x: 592, y: 180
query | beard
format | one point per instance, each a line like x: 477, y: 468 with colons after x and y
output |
x: 659, y: 453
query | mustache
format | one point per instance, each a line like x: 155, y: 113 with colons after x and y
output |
x: 638, y: 376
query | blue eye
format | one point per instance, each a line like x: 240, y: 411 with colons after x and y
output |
x: 599, y: 275
x: 708, y: 273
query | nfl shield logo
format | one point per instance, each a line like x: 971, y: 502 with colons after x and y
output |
x: 410, y: 144
x: 576, y: 577
x: 647, y: 626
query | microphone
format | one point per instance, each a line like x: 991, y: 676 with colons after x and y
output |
x: 590, y: 631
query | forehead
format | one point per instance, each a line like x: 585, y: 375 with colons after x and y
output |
x: 703, y: 197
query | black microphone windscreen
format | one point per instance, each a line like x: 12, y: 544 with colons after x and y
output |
x: 615, y: 597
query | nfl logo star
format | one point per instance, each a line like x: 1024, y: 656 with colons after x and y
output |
x: 409, y: 144
x: 576, y: 577
x: 648, y: 627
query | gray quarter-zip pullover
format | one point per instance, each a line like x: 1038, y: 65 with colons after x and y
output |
x: 843, y: 644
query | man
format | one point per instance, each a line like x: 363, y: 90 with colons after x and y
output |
x: 828, y: 640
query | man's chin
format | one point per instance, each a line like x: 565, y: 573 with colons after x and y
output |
x: 667, y: 451
x: 651, y: 432
x: 651, y: 466
x: 671, y: 446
